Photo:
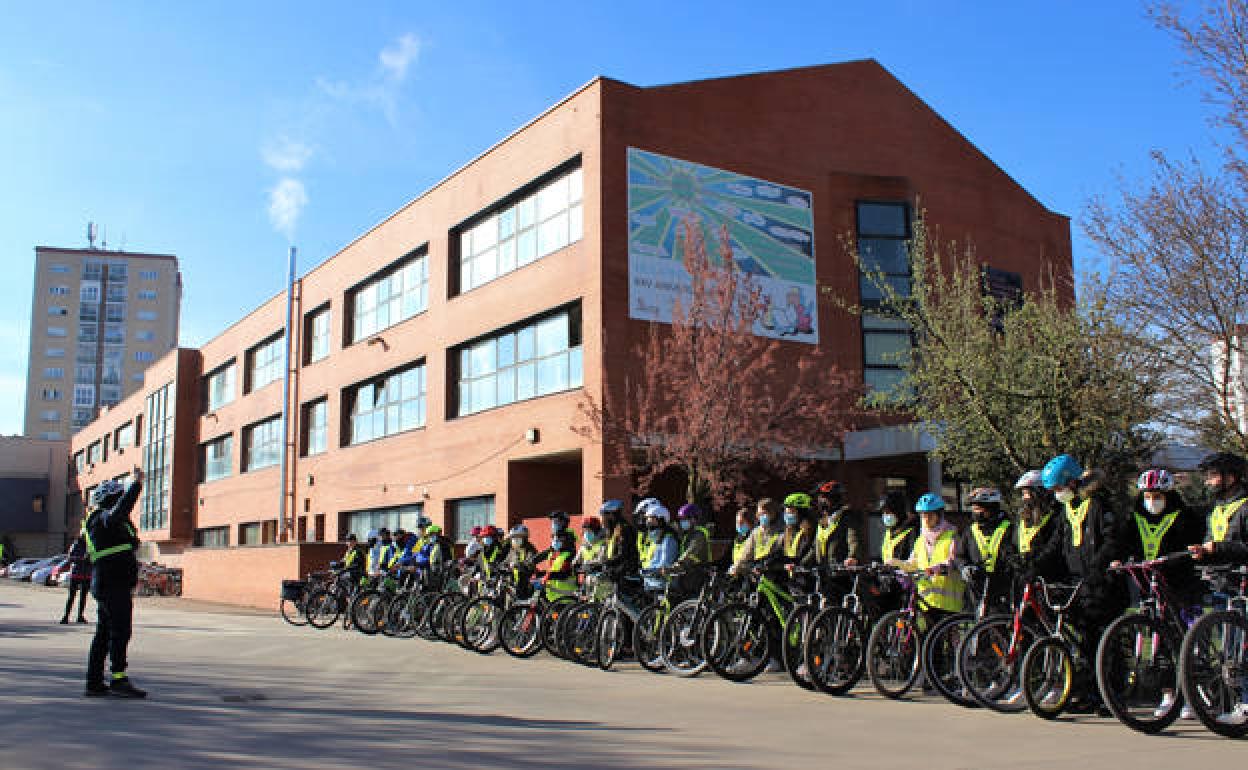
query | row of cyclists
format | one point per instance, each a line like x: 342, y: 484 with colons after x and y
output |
x: 1065, y: 531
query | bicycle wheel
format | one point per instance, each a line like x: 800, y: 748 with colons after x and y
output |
x: 578, y: 632
x: 940, y: 657
x: 451, y: 629
x: 481, y: 625
x: 610, y: 633
x: 438, y: 611
x: 323, y: 609
x: 1214, y: 666
x: 520, y: 630
x: 678, y: 639
x: 793, y: 639
x: 988, y: 665
x: 554, y: 613
x: 834, y: 650
x: 294, y: 612
x: 1048, y: 678
x: 735, y: 642
x: 364, y: 611
x: 893, y: 654
x: 400, y: 621
x: 1136, y: 668
x: 646, y: 638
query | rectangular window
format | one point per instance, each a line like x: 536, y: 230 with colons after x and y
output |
x: 533, y: 359
x: 251, y: 533
x: 89, y: 292
x: 116, y: 292
x: 89, y: 333
x: 80, y: 461
x: 115, y: 334
x: 93, y: 453
x: 81, y: 417
x: 315, y: 427
x: 84, y: 395
x: 124, y: 436
x: 359, y: 523
x: 110, y: 395
x: 147, y: 294
x: 262, y: 444
x: 394, y: 295
x: 57, y: 331
x: 523, y: 229
x: 50, y: 415
x: 54, y: 373
x: 212, y: 537
x: 216, y: 458
x: 158, y: 422
x: 145, y: 336
x: 50, y: 436
x: 54, y: 352
x: 118, y: 272
x: 57, y: 310
x: 884, y: 247
x: 219, y: 387
x: 51, y: 394
x: 58, y: 291
x: 317, y: 329
x: 84, y: 374
x: 468, y: 513
x: 148, y: 275
x: 146, y: 315
x: 143, y: 356
x: 390, y: 404
x: 89, y: 313
x: 114, y: 312
x: 58, y: 268
x: 264, y: 362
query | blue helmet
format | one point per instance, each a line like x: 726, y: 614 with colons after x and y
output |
x: 612, y: 506
x: 930, y: 503
x: 1060, y: 471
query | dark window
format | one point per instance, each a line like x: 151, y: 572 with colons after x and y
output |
x: 883, y: 245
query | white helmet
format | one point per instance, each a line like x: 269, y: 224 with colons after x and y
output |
x: 1030, y: 479
x: 659, y: 511
x: 644, y: 505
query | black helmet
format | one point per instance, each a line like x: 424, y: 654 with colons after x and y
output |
x: 896, y: 501
x: 832, y: 491
x: 559, y: 516
x: 1224, y: 462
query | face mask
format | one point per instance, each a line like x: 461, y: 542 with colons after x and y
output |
x: 1064, y: 495
x: 764, y: 520
x: 590, y: 537
x: 686, y: 525
x: 1155, y: 507
x: 516, y: 542
x: 488, y: 540
x: 889, y: 519
x: 790, y: 519
x: 743, y: 529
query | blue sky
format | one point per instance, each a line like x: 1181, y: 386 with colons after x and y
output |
x: 175, y: 126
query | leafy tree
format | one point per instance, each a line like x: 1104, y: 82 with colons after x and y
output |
x: 709, y: 398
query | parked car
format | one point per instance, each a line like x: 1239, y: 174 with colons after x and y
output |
x: 21, y: 569
x: 42, y: 576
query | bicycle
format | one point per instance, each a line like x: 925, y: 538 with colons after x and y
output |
x: 895, y: 645
x: 479, y: 617
x: 990, y: 656
x: 325, y: 605
x: 736, y: 640
x: 369, y: 606
x: 1213, y: 663
x: 835, y: 647
x: 797, y: 625
x: 578, y: 625
x: 678, y: 639
x: 1137, y: 658
x: 619, y: 613
x: 942, y: 642
x: 1052, y: 665
x: 647, y: 630
x: 293, y: 605
x: 528, y: 625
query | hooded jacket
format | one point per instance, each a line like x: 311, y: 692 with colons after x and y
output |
x: 1187, y: 529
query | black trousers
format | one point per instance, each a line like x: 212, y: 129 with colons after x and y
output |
x: 114, y: 609
x: 80, y: 587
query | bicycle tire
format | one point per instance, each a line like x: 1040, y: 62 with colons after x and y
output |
x: 552, y: 615
x: 323, y: 609
x: 792, y: 642
x: 678, y: 639
x: 646, y: 639
x: 293, y: 612
x: 400, y: 622
x: 481, y: 625
x: 452, y: 631
x: 989, y: 669
x: 577, y: 632
x: 835, y: 650
x: 610, y: 635
x: 1125, y: 684
x: 438, y: 610
x: 894, y: 654
x: 1205, y: 666
x: 732, y: 634
x: 363, y: 609
x: 520, y: 630
x: 1047, y: 677
x: 940, y: 658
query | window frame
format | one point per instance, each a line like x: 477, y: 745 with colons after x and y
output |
x: 351, y: 413
x: 271, y: 342
x: 271, y: 424
x: 310, y: 336
x: 308, y: 427
x: 872, y: 372
x: 372, y: 285
x: 206, y: 462
x: 230, y: 368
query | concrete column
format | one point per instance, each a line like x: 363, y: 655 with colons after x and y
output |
x: 935, y: 475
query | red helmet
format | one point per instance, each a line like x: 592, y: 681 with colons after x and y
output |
x: 477, y: 531
x: 591, y: 522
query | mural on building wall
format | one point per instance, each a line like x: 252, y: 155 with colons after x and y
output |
x: 770, y: 226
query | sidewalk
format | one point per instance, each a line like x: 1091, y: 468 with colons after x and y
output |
x: 241, y: 689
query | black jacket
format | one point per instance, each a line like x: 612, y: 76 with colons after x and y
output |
x: 110, y: 527
x: 1101, y: 543
x: 1044, y: 558
x: 1186, y: 530
x: 1000, y: 579
x: 1234, y: 547
x: 624, y: 559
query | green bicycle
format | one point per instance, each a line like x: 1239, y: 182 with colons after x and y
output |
x: 739, y: 638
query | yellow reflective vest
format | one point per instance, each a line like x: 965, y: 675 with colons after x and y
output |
x: 939, y: 592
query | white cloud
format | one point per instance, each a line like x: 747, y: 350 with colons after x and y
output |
x: 286, y: 201
x: 286, y: 155
x: 397, y: 58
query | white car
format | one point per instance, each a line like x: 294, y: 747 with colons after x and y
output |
x: 21, y: 569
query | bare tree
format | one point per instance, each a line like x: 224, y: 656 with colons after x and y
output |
x: 710, y: 398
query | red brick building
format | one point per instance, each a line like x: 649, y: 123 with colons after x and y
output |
x: 439, y: 359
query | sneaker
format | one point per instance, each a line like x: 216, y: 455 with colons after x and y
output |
x: 1236, y: 716
x: 95, y: 690
x: 65, y: 621
x: 1187, y: 713
x: 122, y: 688
x: 1163, y: 708
x: 801, y: 671
x: 773, y: 666
x: 1013, y: 696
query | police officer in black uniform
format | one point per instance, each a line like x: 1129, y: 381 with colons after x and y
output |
x: 111, y: 544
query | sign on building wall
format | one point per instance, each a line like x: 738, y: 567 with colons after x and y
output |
x: 770, y: 228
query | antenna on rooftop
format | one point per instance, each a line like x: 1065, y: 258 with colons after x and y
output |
x: 91, y: 233
x: 104, y: 240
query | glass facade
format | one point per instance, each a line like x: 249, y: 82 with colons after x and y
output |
x: 359, y: 523
x: 884, y: 247
x: 394, y: 295
x: 159, y: 410
x: 388, y: 405
x: 539, y: 358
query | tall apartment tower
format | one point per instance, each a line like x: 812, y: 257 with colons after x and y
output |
x: 97, y: 320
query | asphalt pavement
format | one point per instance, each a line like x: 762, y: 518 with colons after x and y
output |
x: 234, y: 688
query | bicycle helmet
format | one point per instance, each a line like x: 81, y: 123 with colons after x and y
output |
x: 591, y: 523
x: 519, y: 530
x: 689, y: 511
x: 106, y: 493
x: 895, y: 501
x: 643, y: 505
x: 1030, y: 480
x: 797, y: 500
x: 1060, y: 471
x: 476, y: 531
x: 1224, y: 462
x: 611, y: 506
x: 988, y: 496
x: 834, y: 491
x: 930, y: 503
x: 658, y: 511
x: 433, y: 529
x: 372, y: 535
x: 1155, y: 480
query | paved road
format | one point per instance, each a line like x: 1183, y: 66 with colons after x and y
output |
x: 233, y: 688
